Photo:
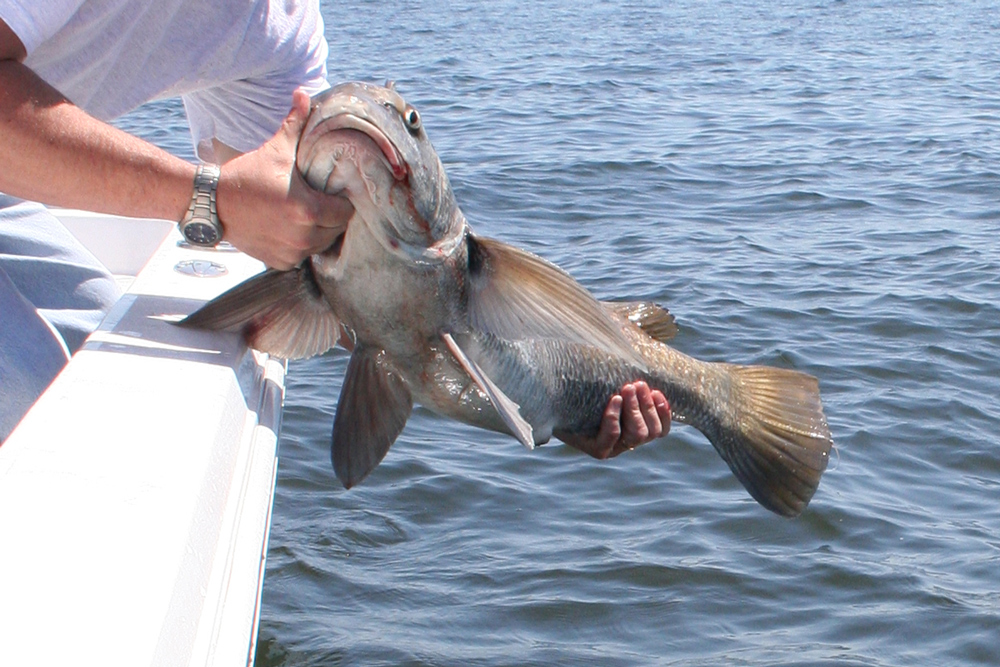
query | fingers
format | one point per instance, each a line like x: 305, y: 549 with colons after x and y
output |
x: 633, y: 417
x: 637, y: 405
x: 662, y: 412
x: 645, y: 417
x: 286, y: 140
x: 602, y: 445
x: 655, y: 413
x: 267, y: 208
x: 332, y: 213
x: 292, y: 126
x: 610, y: 431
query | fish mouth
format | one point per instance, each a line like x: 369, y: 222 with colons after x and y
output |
x: 348, y: 121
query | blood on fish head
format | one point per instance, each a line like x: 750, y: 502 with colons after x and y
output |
x: 368, y: 144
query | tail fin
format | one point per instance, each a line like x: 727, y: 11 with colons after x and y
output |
x: 778, y: 442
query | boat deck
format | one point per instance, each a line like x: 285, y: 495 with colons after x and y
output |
x: 135, y: 496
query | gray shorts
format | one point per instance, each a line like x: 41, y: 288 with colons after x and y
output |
x: 53, y: 293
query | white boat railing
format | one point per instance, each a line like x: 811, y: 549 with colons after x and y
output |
x: 135, y: 496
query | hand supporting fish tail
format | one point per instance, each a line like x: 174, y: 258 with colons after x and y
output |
x: 633, y: 417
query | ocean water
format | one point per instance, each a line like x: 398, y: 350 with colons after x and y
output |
x: 813, y: 185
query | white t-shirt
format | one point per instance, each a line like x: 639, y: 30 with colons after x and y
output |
x: 235, y: 63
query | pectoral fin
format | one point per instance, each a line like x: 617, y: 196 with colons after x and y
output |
x: 516, y: 295
x: 508, y: 409
x: 375, y: 403
x: 282, y: 313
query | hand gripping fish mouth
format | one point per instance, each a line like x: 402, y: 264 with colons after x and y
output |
x: 367, y: 143
x: 350, y: 122
x: 486, y: 333
x: 373, y: 110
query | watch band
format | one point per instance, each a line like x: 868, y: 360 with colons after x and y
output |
x: 200, y: 225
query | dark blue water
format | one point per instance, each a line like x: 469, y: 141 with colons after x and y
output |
x: 808, y: 185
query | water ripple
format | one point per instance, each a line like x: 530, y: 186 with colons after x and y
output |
x: 810, y: 186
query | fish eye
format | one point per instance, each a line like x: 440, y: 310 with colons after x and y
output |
x: 411, y: 118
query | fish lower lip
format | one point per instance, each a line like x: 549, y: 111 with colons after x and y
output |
x: 348, y: 121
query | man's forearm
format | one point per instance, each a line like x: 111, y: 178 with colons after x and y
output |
x: 53, y: 152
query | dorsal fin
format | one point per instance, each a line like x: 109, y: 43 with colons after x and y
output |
x: 655, y: 320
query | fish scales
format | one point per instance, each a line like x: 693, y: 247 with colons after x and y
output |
x: 486, y: 333
x: 578, y: 381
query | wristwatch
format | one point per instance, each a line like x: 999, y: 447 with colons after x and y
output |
x: 200, y: 225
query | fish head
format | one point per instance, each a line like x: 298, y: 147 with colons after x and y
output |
x: 366, y: 143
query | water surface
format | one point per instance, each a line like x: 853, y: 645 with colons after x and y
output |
x: 807, y: 185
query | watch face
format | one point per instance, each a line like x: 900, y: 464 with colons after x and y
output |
x: 201, y: 233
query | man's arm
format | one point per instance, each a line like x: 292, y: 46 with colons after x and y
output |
x: 55, y: 153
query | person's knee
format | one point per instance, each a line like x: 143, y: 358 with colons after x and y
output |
x: 31, y: 355
x: 52, y: 270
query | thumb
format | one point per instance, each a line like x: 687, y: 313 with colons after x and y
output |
x: 292, y: 126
